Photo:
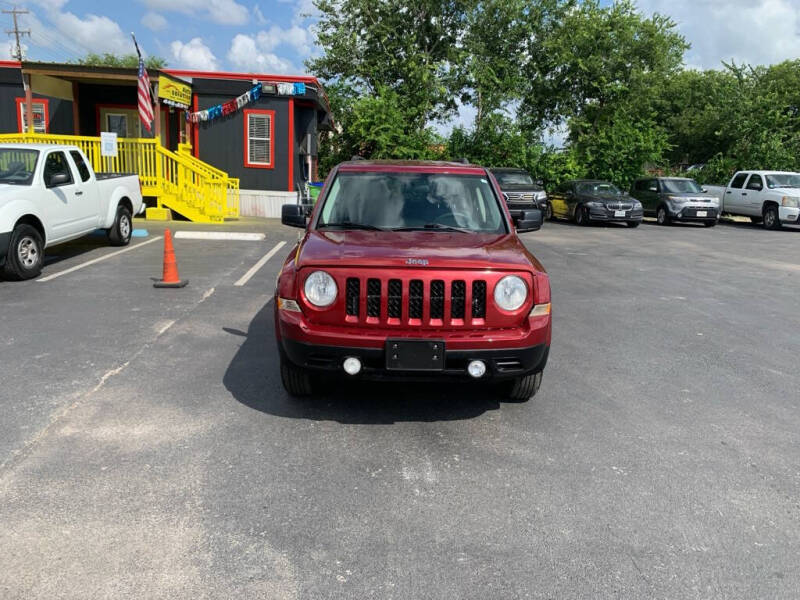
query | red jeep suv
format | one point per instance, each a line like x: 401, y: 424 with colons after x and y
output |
x: 412, y: 270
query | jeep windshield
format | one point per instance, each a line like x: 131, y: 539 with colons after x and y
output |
x: 436, y: 202
x: 17, y: 165
x: 681, y: 186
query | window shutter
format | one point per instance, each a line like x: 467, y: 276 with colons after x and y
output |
x: 258, y: 142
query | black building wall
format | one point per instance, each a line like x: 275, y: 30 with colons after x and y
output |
x: 59, y: 111
x: 221, y: 142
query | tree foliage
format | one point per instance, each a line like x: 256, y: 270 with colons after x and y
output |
x: 128, y: 61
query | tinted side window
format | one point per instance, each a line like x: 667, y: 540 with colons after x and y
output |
x: 738, y: 181
x: 57, y: 163
x: 755, y: 183
x: 640, y: 185
x: 81, y: 164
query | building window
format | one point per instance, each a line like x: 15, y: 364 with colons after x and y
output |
x: 41, y: 117
x: 259, y: 138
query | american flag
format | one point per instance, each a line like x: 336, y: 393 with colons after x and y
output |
x: 145, y: 101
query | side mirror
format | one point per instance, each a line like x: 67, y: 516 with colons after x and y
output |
x: 58, y: 179
x: 294, y: 215
x: 529, y: 220
x: 704, y: 190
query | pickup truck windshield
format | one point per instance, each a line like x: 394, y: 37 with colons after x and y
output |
x: 598, y: 188
x: 17, y: 166
x: 783, y: 180
x: 681, y: 186
x: 411, y: 201
x: 513, y: 179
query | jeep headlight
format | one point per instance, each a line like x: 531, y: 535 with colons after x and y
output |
x: 510, y: 293
x: 320, y: 289
x: 678, y: 199
x: 790, y: 202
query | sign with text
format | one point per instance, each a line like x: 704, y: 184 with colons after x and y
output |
x: 173, y: 92
x: 108, y: 143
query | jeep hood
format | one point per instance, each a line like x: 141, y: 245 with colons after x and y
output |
x: 410, y: 249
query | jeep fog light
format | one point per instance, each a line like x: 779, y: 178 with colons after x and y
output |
x: 476, y: 368
x: 351, y: 365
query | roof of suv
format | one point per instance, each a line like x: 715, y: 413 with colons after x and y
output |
x: 411, y: 166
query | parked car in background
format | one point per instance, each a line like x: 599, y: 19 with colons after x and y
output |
x: 588, y: 200
x: 520, y: 191
x: 676, y: 199
x: 412, y: 270
x: 768, y: 197
x: 49, y: 194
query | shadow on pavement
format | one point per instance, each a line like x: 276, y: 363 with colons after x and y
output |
x: 253, y: 378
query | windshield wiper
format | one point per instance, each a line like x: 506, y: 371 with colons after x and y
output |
x: 350, y: 225
x: 432, y: 227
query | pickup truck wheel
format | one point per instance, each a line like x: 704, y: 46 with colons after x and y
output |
x: 121, y: 230
x: 662, y: 217
x: 523, y: 389
x: 25, y: 254
x: 296, y: 381
x: 771, y: 218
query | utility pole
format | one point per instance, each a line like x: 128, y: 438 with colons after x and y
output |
x: 17, y: 31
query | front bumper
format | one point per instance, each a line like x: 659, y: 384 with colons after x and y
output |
x: 5, y: 241
x: 502, y: 364
x: 789, y: 215
x: 604, y: 214
x: 688, y: 212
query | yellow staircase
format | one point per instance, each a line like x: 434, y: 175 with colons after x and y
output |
x: 177, y: 180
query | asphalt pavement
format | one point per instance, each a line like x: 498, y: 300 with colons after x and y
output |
x: 148, y: 450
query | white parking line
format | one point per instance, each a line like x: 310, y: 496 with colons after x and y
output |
x: 97, y: 260
x: 219, y: 235
x: 262, y: 261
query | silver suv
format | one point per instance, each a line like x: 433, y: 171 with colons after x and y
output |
x: 671, y: 199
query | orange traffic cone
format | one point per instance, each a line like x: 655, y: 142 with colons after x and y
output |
x: 170, y: 279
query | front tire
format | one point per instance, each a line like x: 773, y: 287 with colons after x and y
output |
x: 581, y: 216
x: 524, y: 388
x: 662, y: 217
x: 296, y: 381
x: 25, y: 253
x: 548, y: 212
x: 122, y: 229
x: 771, y: 217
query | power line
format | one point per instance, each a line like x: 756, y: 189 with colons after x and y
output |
x: 17, y: 31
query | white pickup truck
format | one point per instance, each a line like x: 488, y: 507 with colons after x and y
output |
x: 49, y: 194
x: 768, y: 197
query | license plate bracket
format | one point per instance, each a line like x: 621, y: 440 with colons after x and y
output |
x: 414, y: 355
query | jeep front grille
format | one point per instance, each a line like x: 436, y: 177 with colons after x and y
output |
x: 417, y: 301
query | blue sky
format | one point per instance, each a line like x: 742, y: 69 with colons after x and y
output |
x: 265, y: 36
x: 272, y: 36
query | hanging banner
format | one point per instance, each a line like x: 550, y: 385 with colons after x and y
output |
x: 174, y: 92
x: 230, y: 107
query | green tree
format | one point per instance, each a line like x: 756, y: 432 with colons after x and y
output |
x: 128, y: 61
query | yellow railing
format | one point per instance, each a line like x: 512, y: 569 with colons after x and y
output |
x: 232, y: 184
x: 178, y: 181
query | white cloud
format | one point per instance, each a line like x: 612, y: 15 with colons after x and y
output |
x: 100, y: 34
x: 246, y: 54
x: 224, y: 12
x: 194, y: 55
x: 154, y: 21
x: 748, y: 31
x: 300, y: 39
x: 260, y: 18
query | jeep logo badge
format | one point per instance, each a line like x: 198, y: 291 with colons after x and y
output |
x: 420, y: 262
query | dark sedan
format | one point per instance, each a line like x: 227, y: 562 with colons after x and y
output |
x: 588, y: 200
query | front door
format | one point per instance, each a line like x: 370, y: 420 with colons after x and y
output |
x: 62, y: 203
x: 733, y: 194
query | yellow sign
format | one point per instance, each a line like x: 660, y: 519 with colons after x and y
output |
x: 174, y: 92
